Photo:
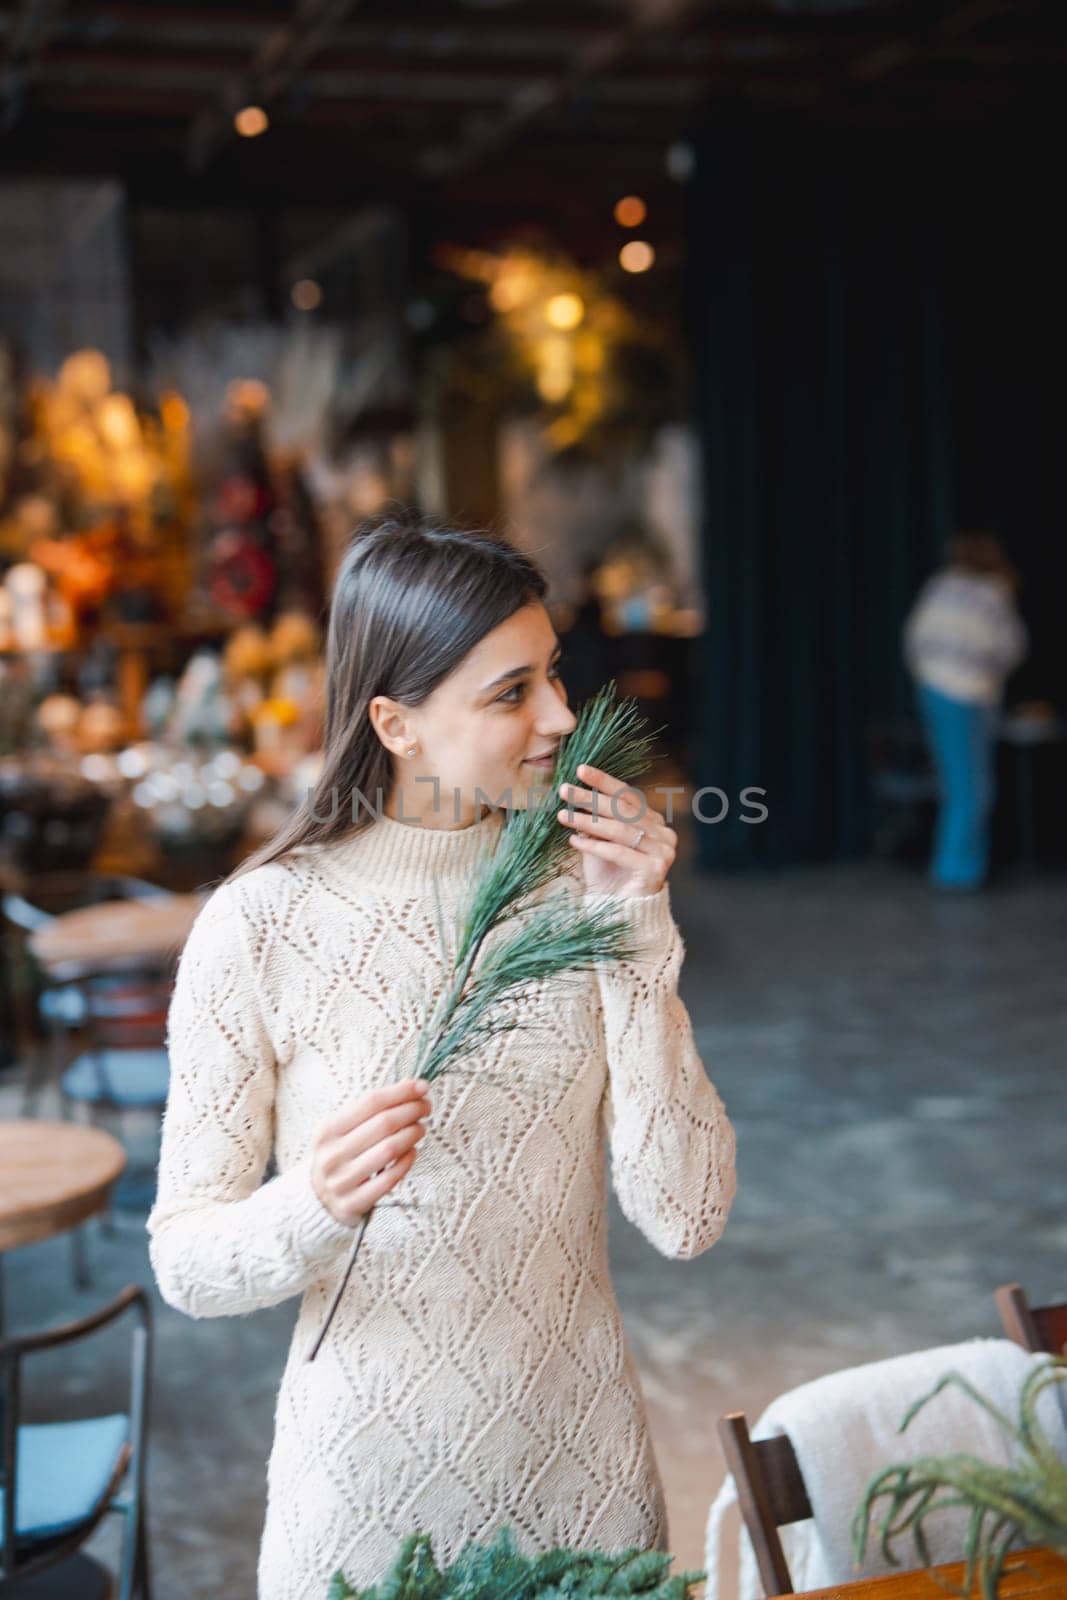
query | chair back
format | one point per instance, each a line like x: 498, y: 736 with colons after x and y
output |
x: 1040, y: 1329
x: 17, y: 1560
x: 126, y: 1003
x: 37, y: 898
x: 770, y: 1493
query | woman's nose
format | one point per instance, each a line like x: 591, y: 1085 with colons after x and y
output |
x: 559, y: 720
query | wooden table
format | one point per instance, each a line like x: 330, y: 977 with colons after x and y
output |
x: 53, y: 1175
x: 1028, y: 1575
x: 117, y: 930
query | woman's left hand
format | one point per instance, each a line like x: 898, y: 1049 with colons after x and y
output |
x: 613, y: 864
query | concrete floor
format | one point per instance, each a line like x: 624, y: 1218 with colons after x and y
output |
x: 894, y: 1064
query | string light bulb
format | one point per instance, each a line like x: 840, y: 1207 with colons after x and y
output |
x: 564, y: 311
x: 251, y: 121
x: 306, y: 294
x: 636, y: 256
x: 630, y: 211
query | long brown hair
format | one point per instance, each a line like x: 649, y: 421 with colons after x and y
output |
x: 412, y: 596
x: 982, y: 553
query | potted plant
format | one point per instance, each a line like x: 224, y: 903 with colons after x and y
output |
x: 1021, y: 1504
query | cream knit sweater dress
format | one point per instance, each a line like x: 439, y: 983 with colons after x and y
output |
x: 477, y: 1371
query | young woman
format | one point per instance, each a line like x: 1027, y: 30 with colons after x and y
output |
x: 476, y: 1372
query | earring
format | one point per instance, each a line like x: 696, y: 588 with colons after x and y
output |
x: 413, y: 750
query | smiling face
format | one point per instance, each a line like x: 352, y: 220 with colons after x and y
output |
x: 483, y: 727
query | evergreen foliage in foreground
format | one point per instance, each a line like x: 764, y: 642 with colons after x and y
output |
x: 498, y: 1571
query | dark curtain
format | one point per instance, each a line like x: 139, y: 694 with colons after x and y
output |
x: 836, y: 345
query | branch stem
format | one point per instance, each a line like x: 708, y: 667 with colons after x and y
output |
x: 336, y: 1301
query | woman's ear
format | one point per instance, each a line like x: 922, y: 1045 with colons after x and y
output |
x: 390, y: 722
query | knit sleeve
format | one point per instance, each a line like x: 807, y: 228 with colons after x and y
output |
x: 222, y: 1242
x: 672, y: 1147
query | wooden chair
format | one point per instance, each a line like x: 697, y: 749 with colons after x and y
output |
x: 1040, y: 1329
x: 770, y: 1493
x: 124, y: 1068
x: 59, y: 1003
x: 59, y: 1480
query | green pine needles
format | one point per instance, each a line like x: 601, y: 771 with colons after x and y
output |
x: 1023, y: 1503
x: 533, y: 846
x: 497, y: 1571
x: 556, y: 937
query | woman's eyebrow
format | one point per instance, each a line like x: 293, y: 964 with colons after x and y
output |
x: 519, y: 672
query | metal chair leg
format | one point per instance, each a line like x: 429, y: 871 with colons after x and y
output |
x: 47, y: 1068
x: 98, y: 1119
x: 33, y: 1080
x: 134, y: 1581
x: 80, y: 1259
x: 142, y: 1577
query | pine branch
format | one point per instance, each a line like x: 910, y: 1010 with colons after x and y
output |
x: 609, y: 734
x: 556, y: 941
x: 498, y: 1571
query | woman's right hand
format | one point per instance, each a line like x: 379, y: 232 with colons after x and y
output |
x: 366, y: 1147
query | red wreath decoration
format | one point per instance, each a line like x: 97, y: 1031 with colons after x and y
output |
x: 242, y: 575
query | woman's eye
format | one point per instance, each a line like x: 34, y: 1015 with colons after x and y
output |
x: 513, y: 695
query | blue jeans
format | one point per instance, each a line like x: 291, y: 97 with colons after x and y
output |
x: 961, y: 735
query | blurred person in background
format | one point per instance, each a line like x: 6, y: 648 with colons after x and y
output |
x: 962, y: 639
x: 586, y: 646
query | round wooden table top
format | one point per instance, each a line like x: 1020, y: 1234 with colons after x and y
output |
x: 116, y: 930
x: 52, y: 1176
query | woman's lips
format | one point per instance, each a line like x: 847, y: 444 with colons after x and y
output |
x: 545, y: 763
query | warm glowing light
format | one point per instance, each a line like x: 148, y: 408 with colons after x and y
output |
x: 86, y: 376
x: 505, y: 294
x: 514, y: 283
x: 306, y: 294
x: 637, y: 256
x: 564, y: 311
x: 630, y: 211
x: 555, y: 368
x: 117, y: 421
x: 251, y: 121
x: 247, y: 397
x: 174, y: 411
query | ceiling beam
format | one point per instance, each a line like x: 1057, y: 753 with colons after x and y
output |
x: 599, y: 55
x: 441, y: 33
x: 370, y: 79
x: 950, y: 22
x: 349, y: 238
x: 475, y: 79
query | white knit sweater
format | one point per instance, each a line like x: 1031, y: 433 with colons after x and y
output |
x: 964, y: 636
x: 477, y: 1371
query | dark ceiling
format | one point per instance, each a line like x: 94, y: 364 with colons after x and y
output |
x: 490, y: 102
